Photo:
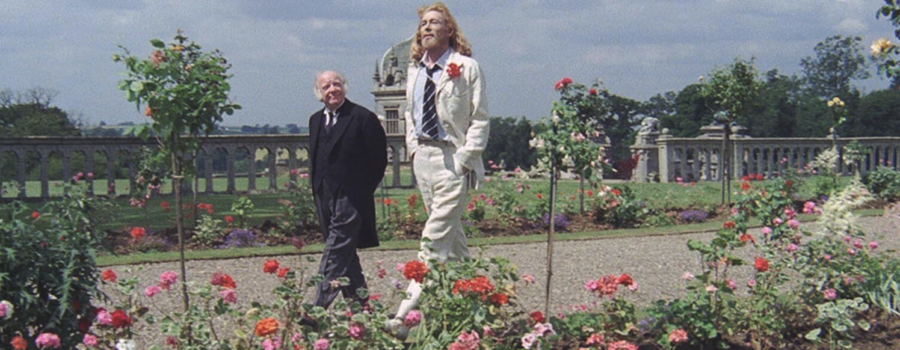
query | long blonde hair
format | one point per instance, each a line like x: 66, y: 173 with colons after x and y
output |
x: 457, y: 39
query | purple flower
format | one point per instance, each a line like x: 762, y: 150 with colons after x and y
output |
x: 240, y: 238
x: 693, y: 215
x: 560, y: 222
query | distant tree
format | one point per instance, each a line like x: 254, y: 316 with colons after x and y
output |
x: 660, y: 106
x: 839, y: 60
x: 876, y: 115
x: 618, y: 124
x: 777, y: 110
x: 691, y: 113
x: 509, y: 143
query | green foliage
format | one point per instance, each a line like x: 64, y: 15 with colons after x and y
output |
x: 47, y: 265
x: 838, y: 61
x: 208, y: 230
x: 566, y: 141
x: 299, y: 209
x: 884, y: 182
x: 618, y: 207
x: 451, y: 309
x: 837, y: 320
x: 734, y: 90
x: 508, y: 144
x: 882, y: 285
x: 242, y: 207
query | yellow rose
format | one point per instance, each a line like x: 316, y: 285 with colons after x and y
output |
x: 880, y: 46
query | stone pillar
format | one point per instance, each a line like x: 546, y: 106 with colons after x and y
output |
x: 665, y: 156
x: 208, y: 170
x: 251, y: 171
x: 45, y: 181
x: 66, y: 164
x: 89, y: 169
x: 20, y: 173
x: 111, y: 172
x: 648, y: 152
x: 395, y: 165
x: 292, y: 162
x: 229, y: 165
x: 273, y: 168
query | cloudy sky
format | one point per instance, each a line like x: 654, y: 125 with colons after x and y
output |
x: 637, y: 48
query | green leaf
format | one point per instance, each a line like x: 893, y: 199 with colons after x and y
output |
x: 864, y: 325
x: 813, y: 335
x: 157, y: 43
x: 136, y: 86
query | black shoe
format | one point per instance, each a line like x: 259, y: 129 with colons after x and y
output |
x: 305, y: 320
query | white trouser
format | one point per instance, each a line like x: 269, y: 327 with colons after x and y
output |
x: 444, y: 193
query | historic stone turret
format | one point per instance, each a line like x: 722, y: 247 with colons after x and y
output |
x: 389, y: 86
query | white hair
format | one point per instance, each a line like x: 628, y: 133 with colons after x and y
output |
x: 316, y: 83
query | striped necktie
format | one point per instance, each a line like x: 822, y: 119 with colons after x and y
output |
x: 429, y: 114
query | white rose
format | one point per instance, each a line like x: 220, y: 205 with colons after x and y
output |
x: 6, y: 310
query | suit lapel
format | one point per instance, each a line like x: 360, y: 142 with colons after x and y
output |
x: 445, y: 78
x: 343, y: 121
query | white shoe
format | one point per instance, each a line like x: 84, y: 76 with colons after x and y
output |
x: 395, y: 326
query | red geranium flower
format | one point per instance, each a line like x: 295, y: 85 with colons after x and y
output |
x: 747, y: 238
x: 415, y: 270
x: 537, y: 316
x: 271, y: 266
x: 35, y: 215
x: 761, y: 264
x: 562, y: 83
x: 109, y: 276
x: 480, y: 286
x: 625, y: 280
x: 120, y: 319
x: 745, y: 178
x: 138, y: 232
x: 266, y: 326
x: 728, y: 224
x: 499, y: 299
x: 745, y: 186
x: 592, y: 92
x: 19, y: 343
x: 788, y: 183
x: 223, y: 280
x: 229, y: 219
x: 759, y: 177
x: 165, y: 206
x: 453, y: 70
x: 282, y: 272
x: 616, y: 192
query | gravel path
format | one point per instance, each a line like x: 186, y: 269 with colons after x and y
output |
x: 656, y: 264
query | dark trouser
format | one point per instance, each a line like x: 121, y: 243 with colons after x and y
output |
x: 340, y: 223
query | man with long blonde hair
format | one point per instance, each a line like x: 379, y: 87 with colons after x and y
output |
x: 446, y: 133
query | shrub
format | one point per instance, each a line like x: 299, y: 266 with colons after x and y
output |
x: 48, y: 272
x: 884, y: 182
x: 617, y: 207
x: 208, y: 230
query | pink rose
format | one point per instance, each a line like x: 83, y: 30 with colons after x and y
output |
x: 47, y: 341
x: 151, y: 291
x: 321, y: 344
x: 103, y: 318
x: 228, y: 296
x: 793, y: 224
x: 829, y: 294
x: 167, y: 279
x: 412, y: 319
x: 873, y: 245
x: 89, y: 340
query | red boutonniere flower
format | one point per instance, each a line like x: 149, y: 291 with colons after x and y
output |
x: 453, y: 70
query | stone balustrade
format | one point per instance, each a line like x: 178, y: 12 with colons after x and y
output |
x: 121, y: 152
x: 698, y: 159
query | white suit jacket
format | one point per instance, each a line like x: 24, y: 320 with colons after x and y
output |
x: 462, y: 110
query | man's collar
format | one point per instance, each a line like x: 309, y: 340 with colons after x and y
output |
x: 327, y: 110
x: 442, y: 61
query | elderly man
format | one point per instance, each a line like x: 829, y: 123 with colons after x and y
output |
x: 446, y: 132
x: 347, y: 154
